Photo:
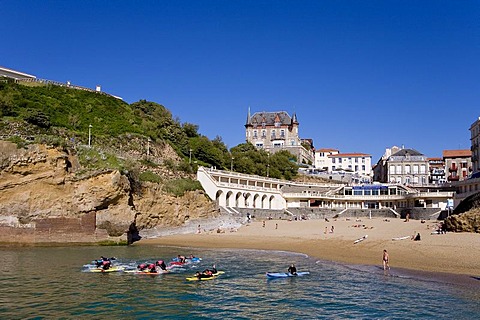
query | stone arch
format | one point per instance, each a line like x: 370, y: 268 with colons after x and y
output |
x: 256, y: 202
x: 229, y: 199
x: 220, y: 199
x: 238, y: 199
x: 264, y: 204
x: 247, y: 199
x: 270, y: 202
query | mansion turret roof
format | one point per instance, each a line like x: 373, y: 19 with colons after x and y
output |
x: 272, y: 118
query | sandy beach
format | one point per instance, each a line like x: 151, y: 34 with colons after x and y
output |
x: 457, y: 253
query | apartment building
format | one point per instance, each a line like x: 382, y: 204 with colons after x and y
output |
x: 275, y: 131
x: 458, y: 164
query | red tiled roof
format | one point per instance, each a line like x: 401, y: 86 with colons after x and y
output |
x: 343, y: 155
x: 327, y: 150
x: 457, y: 153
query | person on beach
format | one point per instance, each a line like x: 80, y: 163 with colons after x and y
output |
x: 385, y: 259
x: 292, y: 269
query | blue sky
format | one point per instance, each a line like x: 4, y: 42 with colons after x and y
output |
x: 361, y: 75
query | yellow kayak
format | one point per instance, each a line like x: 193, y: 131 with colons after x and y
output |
x: 111, y: 269
x: 213, y: 276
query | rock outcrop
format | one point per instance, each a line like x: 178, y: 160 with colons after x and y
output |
x: 466, y: 222
x: 44, y: 198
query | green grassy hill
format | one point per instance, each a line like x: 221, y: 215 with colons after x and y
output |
x: 59, y: 115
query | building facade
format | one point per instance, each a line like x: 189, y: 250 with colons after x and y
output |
x: 358, y: 163
x: 276, y: 131
x: 322, y: 160
x: 13, y: 74
x: 437, y: 171
x: 475, y: 142
x: 458, y: 164
x: 407, y: 166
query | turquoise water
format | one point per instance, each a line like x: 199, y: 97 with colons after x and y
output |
x: 48, y: 283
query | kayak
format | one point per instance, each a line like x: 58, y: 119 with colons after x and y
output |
x: 194, y: 259
x: 286, y: 274
x: 111, y: 269
x: 213, y: 276
x: 147, y: 272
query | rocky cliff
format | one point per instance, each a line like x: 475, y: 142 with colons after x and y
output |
x: 45, y: 196
x: 466, y: 222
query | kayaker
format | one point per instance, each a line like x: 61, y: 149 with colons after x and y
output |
x: 181, y: 258
x: 142, y: 267
x: 210, y: 272
x: 161, y: 264
x: 292, y: 269
x: 201, y: 275
x: 152, y: 268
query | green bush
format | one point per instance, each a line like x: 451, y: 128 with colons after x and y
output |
x: 178, y: 187
x: 149, y: 176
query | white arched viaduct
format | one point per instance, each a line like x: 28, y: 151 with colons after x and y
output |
x: 231, y: 189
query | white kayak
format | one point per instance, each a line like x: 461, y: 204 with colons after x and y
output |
x: 286, y: 274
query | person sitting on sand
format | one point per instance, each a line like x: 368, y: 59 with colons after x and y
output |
x: 292, y: 269
x: 417, y: 237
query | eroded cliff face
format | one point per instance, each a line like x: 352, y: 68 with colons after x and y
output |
x: 43, y: 198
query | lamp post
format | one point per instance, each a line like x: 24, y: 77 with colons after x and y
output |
x: 148, y: 146
x: 190, y: 156
x: 89, y: 135
x: 268, y: 165
x: 231, y: 164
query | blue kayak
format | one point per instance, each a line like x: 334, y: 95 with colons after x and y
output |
x: 286, y: 274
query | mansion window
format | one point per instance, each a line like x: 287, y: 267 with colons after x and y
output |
x: 392, y: 169
x: 273, y: 134
x: 264, y: 133
x: 363, y: 167
x: 407, y: 171
x: 423, y: 169
x: 277, y: 145
x: 282, y: 133
x: 259, y: 145
x: 415, y: 169
x: 333, y: 160
x: 255, y: 133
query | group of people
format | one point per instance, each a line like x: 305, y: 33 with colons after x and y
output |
x: 156, y: 267
x: 104, y: 262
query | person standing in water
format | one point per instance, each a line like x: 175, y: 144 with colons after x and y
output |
x: 385, y: 260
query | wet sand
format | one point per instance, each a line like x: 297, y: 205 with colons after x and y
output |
x: 455, y: 253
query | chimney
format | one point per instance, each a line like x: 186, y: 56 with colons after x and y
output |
x: 98, y: 88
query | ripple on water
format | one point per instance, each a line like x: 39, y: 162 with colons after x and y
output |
x: 48, y: 283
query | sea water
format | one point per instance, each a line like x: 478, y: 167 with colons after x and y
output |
x: 50, y: 283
